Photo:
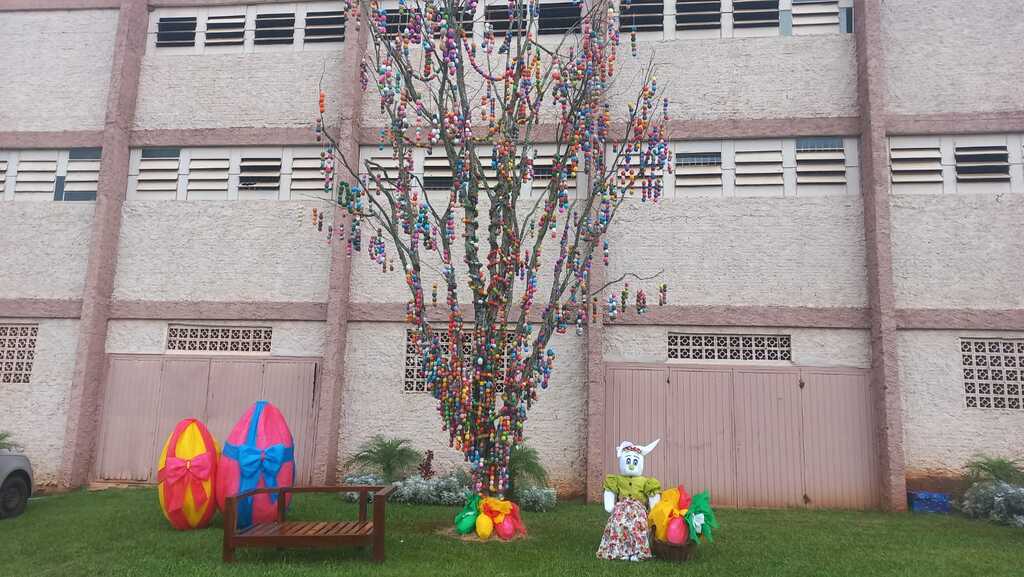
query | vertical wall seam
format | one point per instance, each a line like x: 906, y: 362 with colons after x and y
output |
x: 872, y: 95
x: 86, y: 393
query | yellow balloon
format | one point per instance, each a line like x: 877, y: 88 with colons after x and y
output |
x: 484, y: 527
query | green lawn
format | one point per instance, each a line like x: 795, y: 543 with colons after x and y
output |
x: 122, y: 533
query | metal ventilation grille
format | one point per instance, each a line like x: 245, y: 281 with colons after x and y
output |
x: 982, y: 164
x: 415, y: 377
x: 719, y: 347
x: 630, y: 174
x: 386, y: 169
x: 755, y: 13
x: 698, y: 14
x: 544, y: 171
x: 558, y: 18
x: 698, y: 169
x: 993, y: 373
x: 208, y: 178
x: 259, y: 178
x: 176, y: 31
x: 916, y: 165
x: 17, y: 352
x: 437, y: 173
x: 3, y: 174
x: 820, y: 161
x: 158, y: 173
x: 759, y: 168
x: 83, y: 173
x: 815, y: 16
x: 307, y: 176
x: 641, y: 16
x: 37, y: 176
x: 502, y: 19
x: 275, y: 28
x: 325, y: 26
x: 397, y: 20
x: 225, y: 30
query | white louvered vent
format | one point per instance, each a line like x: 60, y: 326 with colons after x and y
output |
x: 176, y: 31
x: 815, y: 17
x: 487, y: 164
x: 502, y: 19
x: 759, y: 168
x: 158, y: 174
x: 558, y: 18
x: 83, y: 173
x: 698, y: 15
x: 821, y: 162
x: 325, y: 26
x: 259, y: 178
x: 3, y: 175
x: 641, y: 15
x: 437, y: 172
x: 755, y: 15
x: 208, y: 178
x: 37, y: 176
x: 982, y: 164
x: 543, y: 172
x: 225, y: 30
x: 380, y: 166
x: 916, y: 167
x: 698, y: 170
x: 307, y: 177
x: 636, y: 175
x: 278, y: 28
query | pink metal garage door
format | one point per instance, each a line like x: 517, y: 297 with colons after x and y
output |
x: 756, y: 437
x: 147, y: 394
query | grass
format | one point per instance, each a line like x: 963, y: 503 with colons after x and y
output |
x: 122, y: 533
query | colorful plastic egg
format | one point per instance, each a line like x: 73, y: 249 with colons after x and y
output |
x: 186, y: 472
x: 259, y: 452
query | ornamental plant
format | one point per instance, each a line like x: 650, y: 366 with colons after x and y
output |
x: 510, y: 239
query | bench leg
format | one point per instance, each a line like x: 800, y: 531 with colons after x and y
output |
x: 378, y: 549
x: 229, y: 554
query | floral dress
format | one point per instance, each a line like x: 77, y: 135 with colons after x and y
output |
x: 626, y: 534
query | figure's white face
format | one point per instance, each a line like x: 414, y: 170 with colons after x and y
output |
x: 631, y: 464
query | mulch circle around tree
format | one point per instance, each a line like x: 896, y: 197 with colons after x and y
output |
x: 472, y: 538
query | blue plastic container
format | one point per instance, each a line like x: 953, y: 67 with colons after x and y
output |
x: 928, y: 502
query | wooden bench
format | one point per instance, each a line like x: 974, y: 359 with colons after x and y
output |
x: 286, y: 534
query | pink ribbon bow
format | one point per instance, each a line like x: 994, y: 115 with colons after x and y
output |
x: 182, y: 473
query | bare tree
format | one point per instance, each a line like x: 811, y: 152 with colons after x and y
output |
x: 483, y: 102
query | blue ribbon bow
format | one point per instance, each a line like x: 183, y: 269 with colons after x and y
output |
x: 254, y: 462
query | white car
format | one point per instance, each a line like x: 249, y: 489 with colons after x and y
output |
x: 15, y: 483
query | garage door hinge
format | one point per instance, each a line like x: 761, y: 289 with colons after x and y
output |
x: 802, y: 383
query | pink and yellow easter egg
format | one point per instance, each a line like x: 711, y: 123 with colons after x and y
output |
x: 259, y: 452
x: 186, y: 472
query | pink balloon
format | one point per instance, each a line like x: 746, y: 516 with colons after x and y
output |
x: 676, y: 531
x: 506, y: 529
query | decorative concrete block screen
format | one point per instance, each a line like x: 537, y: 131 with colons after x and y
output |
x: 416, y: 380
x: 17, y: 352
x: 206, y: 339
x: 992, y: 373
x: 722, y: 347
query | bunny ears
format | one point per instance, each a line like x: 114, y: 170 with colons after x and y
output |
x: 630, y: 447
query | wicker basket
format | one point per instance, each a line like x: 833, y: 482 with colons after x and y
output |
x: 670, y: 552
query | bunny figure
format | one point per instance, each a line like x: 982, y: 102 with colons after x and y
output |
x: 627, y: 496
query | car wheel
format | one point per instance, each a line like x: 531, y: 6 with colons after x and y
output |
x: 13, y: 496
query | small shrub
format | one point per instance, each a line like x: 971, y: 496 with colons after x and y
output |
x: 537, y: 499
x: 525, y: 470
x: 391, y: 458
x: 995, y: 500
x: 360, y: 480
x: 444, y: 490
x: 426, y: 468
x: 987, y: 468
x: 6, y: 442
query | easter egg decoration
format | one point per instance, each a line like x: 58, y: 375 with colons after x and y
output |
x: 259, y: 452
x: 185, y: 476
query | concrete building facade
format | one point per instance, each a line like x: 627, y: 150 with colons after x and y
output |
x: 127, y: 215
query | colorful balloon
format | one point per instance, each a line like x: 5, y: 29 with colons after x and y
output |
x: 186, y: 473
x: 484, y: 527
x: 259, y: 452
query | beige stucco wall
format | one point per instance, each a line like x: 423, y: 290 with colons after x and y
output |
x: 958, y: 251
x: 45, y: 246
x: 35, y: 413
x: 373, y: 403
x: 56, y: 69
x: 291, y: 338
x: 953, y: 56
x: 221, y: 251
x: 940, y: 432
